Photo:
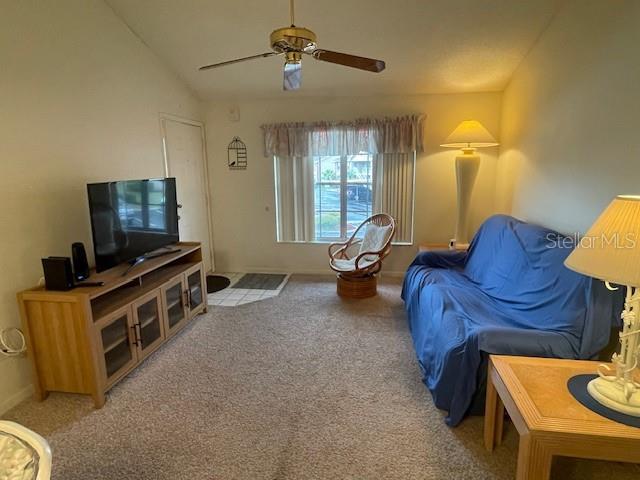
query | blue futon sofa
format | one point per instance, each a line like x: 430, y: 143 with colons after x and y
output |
x: 509, y: 294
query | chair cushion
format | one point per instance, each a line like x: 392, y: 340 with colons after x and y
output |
x: 17, y: 459
x: 374, y: 239
x: 349, y: 265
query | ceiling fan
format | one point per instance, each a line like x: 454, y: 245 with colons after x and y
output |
x: 293, y: 42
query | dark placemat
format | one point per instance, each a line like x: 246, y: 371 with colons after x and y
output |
x: 260, y: 281
x: 578, y: 387
x: 215, y: 283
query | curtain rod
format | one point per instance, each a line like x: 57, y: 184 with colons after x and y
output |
x: 347, y: 123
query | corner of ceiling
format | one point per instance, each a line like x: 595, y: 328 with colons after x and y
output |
x: 186, y: 85
x: 558, y: 6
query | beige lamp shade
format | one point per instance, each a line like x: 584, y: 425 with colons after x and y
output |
x: 470, y: 134
x: 610, y: 250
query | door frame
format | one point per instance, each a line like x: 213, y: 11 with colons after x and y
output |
x: 164, y: 117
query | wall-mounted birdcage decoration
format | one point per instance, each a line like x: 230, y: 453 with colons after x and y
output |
x: 237, y: 154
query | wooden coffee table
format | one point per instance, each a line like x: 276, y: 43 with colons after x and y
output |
x: 548, y: 419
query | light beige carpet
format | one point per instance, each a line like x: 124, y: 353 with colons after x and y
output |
x: 301, y: 386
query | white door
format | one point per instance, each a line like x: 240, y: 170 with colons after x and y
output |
x: 185, y: 159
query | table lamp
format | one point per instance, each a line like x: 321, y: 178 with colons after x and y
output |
x: 610, y: 251
x: 467, y: 136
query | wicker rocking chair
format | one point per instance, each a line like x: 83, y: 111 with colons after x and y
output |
x: 356, y: 272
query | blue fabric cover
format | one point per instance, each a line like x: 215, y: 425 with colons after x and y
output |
x: 509, y: 294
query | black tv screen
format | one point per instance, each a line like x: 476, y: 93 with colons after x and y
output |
x: 131, y: 218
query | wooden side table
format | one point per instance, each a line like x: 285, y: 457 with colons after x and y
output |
x: 432, y: 247
x: 549, y: 420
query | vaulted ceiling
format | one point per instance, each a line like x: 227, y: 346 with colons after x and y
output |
x: 430, y: 46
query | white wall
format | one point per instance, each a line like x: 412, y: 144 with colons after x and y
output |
x: 243, y: 201
x: 79, y: 102
x: 570, y: 117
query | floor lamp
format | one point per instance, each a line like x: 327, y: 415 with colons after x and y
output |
x: 610, y: 251
x: 467, y: 136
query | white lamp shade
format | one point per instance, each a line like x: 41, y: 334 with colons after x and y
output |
x: 470, y: 134
x: 610, y: 250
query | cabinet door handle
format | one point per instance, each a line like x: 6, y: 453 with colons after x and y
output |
x: 135, y: 335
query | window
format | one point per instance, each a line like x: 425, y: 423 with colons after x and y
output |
x: 343, y: 194
x: 331, y: 176
x: 325, y: 198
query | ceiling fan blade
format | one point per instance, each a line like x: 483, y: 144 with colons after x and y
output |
x: 363, y: 63
x: 292, y: 76
x: 238, y: 60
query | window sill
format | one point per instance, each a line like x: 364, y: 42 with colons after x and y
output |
x: 327, y: 242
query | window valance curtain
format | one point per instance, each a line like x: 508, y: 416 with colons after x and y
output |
x: 372, y: 136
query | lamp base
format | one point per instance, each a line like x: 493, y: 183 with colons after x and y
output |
x: 611, y: 394
x: 467, y: 166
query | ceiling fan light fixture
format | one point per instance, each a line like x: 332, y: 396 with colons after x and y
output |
x: 292, y: 78
x: 293, y: 38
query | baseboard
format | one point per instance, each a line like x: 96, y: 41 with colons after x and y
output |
x: 324, y: 271
x: 391, y: 274
x: 15, y: 399
x: 381, y: 275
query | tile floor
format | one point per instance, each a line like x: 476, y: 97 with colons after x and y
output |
x: 233, y: 297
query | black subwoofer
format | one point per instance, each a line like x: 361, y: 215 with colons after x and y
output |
x: 58, y: 274
x: 80, y: 263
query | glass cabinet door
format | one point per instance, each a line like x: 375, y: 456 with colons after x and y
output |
x: 195, y: 290
x: 174, y: 304
x: 148, y: 322
x: 117, y: 340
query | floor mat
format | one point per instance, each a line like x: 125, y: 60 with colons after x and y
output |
x: 216, y: 283
x: 260, y: 281
x: 235, y: 295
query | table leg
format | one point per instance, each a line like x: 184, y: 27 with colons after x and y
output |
x: 497, y: 437
x: 39, y: 394
x: 534, y: 461
x: 98, y: 399
x: 493, y: 416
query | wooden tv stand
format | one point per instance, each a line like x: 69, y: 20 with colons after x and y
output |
x: 86, y: 339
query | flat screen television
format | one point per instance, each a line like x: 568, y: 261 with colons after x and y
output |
x: 131, y: 218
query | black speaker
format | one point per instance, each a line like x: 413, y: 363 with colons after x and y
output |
x: 57, y: 273
x: 80, y: 264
